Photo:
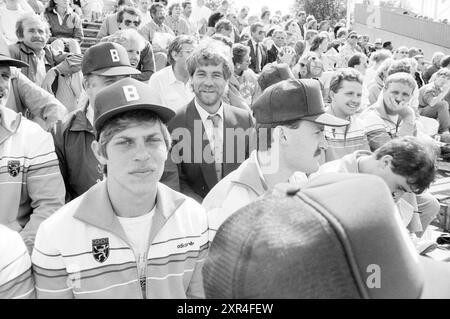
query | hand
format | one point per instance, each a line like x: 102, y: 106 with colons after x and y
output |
x: 402, y: 108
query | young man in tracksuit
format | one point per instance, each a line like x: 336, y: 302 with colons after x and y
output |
x: 128, y: 236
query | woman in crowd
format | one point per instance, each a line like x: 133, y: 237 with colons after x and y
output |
x: 64, y: 23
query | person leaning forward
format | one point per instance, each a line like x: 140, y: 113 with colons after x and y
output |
x: 290, y: 119
x: 129, y: 236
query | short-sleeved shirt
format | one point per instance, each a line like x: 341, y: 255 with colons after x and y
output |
x: 427, y: 93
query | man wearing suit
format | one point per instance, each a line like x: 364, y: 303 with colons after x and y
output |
x: 210, y: 137
x: 279, y: 41
x: 258, y: 52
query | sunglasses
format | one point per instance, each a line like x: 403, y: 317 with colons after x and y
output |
x: 353, y: 37
x: 128, y: 23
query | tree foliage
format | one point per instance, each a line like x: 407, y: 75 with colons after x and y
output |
x: 333, y: 10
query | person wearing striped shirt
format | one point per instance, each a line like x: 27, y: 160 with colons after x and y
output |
x: 345, y: 94
x: 129, y: 236
x: 31, y: 185
x: 16, y: 281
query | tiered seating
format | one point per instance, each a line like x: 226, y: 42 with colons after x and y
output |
x: 90, y: 30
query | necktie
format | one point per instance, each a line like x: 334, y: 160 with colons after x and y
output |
x: 258, y: 59
x: 217, y: 151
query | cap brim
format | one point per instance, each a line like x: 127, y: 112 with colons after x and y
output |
x: 436, y: 276
x: 326, y: 119
x: 12, y: 62
x: 164, y: 113
x: 117, y: 70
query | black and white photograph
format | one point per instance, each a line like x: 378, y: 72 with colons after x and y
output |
x: 239, y: 153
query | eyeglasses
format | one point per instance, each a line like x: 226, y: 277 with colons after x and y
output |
x: 135, y: 22
x: 353, y: 37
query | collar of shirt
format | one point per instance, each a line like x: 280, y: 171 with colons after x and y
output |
x: 204, y: 114
x: 9, y: 123
x: 254, y: 157
x: 60, y: 19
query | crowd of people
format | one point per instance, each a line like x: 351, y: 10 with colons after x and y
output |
x: 119, y: 165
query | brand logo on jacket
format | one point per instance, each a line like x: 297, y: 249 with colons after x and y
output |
x: 13, y: 168
x: 100, y: 249
x: 185, y: 244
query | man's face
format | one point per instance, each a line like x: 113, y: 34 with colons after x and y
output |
x: 188, y: 10
x: 135, y: 157
x: 233, y: 18
x: 176, y: 11
x: 279, y: 39
x: 144, y: 5
x: 421, y: 66
x: 401, y: 53
x: 97, y: 82
x: 347, y: 99
x: 396, y: 97
x: 208, y: 83
x: 226, y: 32
x: 129, y: 21
x: 301, y: 18
x: 258, y: 35
x: 301, y: 147
x: 246, y: 60
x: 35, y: 35
x: 352, y: 39
x: 159, y: 15
x: 5, y: 77
x: 134, y: 54
x: 185, y: 52
x: 441, y: 81
x: 398, y: 185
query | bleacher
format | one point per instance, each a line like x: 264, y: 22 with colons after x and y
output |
x: 90, y: 30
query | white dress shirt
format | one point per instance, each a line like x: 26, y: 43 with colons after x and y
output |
x: 168, y: 91
x: 208, y: 125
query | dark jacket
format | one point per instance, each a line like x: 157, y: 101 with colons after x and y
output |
x: 197, y: 177
x: 264, y: 60
x: 20, y: 51
x: 78, y: 164
x: 272, y: 54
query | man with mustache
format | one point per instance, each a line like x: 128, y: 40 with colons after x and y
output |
x: 345, y: 95
x: 33, y: 33
x: 157, y: 27
x: 290, y: 119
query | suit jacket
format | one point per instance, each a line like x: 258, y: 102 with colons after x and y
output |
x: 272, y: 54
x: 264, y: 60
x: 197, y: 176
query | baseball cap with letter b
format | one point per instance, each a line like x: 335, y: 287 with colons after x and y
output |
x: 126, y: 95
x: 293, y: 100
x: 107, y: 59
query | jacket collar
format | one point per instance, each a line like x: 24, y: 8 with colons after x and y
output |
x: 80, y: 121
x: 9, y: 122
x: 95, y: 209
x: 249, y: 174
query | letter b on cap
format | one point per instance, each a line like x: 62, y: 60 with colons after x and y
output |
x: 130, y: 92
x: 114, y: 55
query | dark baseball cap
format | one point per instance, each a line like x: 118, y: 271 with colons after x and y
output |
x: 273, y: 73
x: 107, y: 59
x: 338, y: 236
x: 126, y: 95
x: 294, y: 100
